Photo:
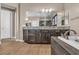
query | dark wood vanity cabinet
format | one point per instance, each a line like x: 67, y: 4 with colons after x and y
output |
x: 45, y: 36
x: 36, y: 36
x: 39, y: 35
x: 31, y: 36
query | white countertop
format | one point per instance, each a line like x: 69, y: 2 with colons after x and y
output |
x: 48, y: 27
x: 71, y: 42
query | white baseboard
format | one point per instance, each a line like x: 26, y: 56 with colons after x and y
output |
x: 0, y: 42
x: 19, y: 40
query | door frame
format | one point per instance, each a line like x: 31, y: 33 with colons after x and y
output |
x: 9, y: 8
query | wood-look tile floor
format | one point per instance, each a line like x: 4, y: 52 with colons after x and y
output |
x: 21, y: 48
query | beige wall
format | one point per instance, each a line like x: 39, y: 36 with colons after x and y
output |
x: 73, y: 10
x: 0, y: 20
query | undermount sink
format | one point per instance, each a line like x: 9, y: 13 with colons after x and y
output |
x: 72, y: 35
x: 76, y: 38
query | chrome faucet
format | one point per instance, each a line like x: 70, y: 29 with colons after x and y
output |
x: 66, y: 33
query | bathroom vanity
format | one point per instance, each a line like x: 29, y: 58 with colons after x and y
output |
x: 42, y: 34
x: 63, y: 46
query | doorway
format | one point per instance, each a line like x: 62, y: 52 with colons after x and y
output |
x: 7, y: 23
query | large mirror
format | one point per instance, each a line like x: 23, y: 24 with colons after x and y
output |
x: 45, y: 16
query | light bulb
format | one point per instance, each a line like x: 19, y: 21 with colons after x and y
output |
x: 46, y: 10
x: 50, y: 10
x: 43, y: 10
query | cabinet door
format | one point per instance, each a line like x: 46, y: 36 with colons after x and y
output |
x: 48, y: 36
x: 25, y: 35
x: 38, y: 36
x: 45, y: 36
x: 52, y: 32
x: 55, y: 32
x: 31, y: 36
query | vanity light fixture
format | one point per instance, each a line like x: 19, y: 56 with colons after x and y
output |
x: 50, y: 10
x: 46, y: 10
x: 43, y: 10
